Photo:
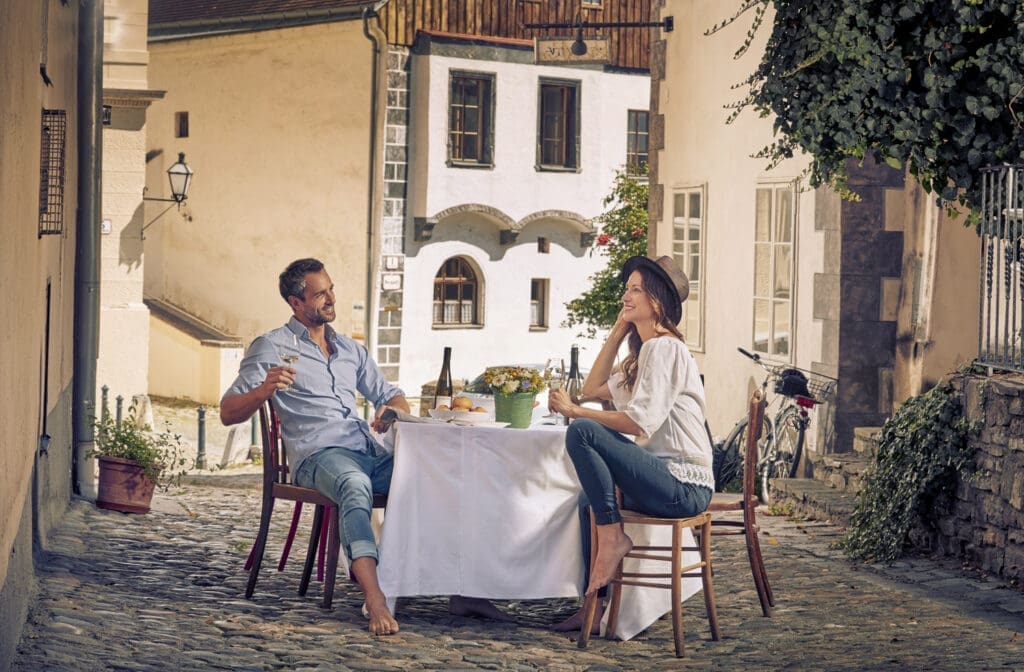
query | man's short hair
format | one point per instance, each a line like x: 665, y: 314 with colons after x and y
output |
x: 292, y: 281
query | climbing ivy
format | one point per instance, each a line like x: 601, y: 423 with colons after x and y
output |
x: 935, y: 86
x: 623, y: 235
x: 922, y: 453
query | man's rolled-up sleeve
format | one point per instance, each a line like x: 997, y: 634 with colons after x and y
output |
x: 253, y: 370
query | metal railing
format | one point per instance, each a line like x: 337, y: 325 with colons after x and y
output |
x: 1001, y: 228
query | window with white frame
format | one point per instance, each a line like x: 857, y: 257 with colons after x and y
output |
x: 456, y: 292
x: 558, y: 132
x: 774, y: 277
x: 636, y: 141
x: 539, y: 303
x: 688, y: 251
x: 471, y: 118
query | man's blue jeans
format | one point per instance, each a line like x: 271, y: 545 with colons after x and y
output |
x: 349, y: 479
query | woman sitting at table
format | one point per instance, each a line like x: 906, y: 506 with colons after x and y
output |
x: 658, y: 398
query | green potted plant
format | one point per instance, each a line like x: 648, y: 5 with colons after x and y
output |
x: 515, y: 393
x: 133, y: 460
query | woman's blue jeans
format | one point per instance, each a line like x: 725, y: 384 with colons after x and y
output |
x: 605, y: 458
x: 349, y: 479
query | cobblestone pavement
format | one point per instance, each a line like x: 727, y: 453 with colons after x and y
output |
x: 164, y: 591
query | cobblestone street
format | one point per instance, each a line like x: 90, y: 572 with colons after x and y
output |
x: 164, y: 591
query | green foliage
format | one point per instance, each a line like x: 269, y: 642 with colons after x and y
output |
x: 158, y: 453
x: 922, y: 454
x: 935, y: 86
x: 623, y: 235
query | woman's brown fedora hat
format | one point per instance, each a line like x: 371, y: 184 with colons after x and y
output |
x: 665, y: 269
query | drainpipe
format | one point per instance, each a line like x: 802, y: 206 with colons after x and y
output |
x: 379, y: 40
x: 87, y: 241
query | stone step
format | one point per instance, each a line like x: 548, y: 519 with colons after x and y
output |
x: 865, y: 440
x: 812, y: 499
x: 843, y: 471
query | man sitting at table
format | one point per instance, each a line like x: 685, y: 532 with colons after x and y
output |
x: 330, y: 447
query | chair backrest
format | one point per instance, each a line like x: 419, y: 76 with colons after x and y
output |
x: 275, y: 461
x: 755, y: 425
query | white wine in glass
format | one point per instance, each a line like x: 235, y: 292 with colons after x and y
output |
x: 554, y: 375
x: 289, y: 350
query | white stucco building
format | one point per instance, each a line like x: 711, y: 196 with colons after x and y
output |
x: 502, y: 219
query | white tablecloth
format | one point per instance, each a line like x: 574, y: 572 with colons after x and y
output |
x: 489, y: 512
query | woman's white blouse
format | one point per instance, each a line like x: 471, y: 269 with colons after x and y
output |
x: 667, y: 402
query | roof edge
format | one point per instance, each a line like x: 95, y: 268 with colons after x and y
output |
x: 180, y: 30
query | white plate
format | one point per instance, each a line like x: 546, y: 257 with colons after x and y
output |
x: 488, y: 423
x: 464, y: 417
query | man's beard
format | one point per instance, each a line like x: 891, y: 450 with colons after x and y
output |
x: 320, y: 316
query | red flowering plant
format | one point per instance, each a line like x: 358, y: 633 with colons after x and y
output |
x: 623, y: 235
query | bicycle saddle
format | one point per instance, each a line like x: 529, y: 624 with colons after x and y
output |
x: 792, y: 383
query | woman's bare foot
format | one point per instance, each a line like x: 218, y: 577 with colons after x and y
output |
x: 575, y: 622
x: 612, y: 545
x: 459, y: 605
x: 381, y: 620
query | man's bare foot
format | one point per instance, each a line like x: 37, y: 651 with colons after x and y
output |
x: 612, y: 545
x: 459, y: 605
x: 381, y: 620
x: 575, y: 622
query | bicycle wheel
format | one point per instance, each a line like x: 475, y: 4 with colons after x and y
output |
x: 785, y: 451
x: 787, y: 441
x: 736, y: 443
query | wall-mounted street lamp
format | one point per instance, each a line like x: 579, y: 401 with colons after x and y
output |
x: 180, y: 175
x: 579, y: 47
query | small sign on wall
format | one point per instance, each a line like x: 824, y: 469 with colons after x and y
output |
x: 558, y: 50
x: 391, y: 281
x: 358, y: 321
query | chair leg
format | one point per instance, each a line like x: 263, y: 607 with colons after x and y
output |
x: 764, y: 591
x: 677, y: 588
x: 256, y: 554
x: 333, y: 544
x: 706, y: 573
x: 323, y: 545
x: 296, y: 515
x: 314, y: 541
x: 589, y: 612
x: 616, y: 598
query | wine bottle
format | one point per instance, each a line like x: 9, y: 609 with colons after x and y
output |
x: 574, y: 385
x: 444, y: 391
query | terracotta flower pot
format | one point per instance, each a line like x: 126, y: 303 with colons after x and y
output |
x: 123, y: 486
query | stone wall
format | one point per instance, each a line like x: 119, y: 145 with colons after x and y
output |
x: 986, y: 526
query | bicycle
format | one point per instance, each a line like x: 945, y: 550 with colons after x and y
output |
x: 782, y: 438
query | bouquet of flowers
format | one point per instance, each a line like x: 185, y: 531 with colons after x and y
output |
x: 513, y: 379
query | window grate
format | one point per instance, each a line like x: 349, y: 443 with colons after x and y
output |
x: 51, y: 172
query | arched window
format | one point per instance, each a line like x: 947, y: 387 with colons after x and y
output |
x: 456, y: 292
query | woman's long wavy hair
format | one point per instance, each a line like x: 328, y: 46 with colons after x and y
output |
x: 660, y: 297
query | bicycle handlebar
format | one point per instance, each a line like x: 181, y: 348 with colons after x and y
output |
x: 756, y: 358
x: 819, y: 385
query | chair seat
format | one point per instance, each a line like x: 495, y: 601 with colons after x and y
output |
x: 726, y: 501
x: 636, y: 517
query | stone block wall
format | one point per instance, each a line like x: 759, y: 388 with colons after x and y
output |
x: 392, y: 229
x: 986, y: 526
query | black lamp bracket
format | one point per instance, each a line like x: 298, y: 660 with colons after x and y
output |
x: 667, y: 24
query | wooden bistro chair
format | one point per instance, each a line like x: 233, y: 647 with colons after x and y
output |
x: 745, y: 502
x: 672, y: 580
x: 277, y: 485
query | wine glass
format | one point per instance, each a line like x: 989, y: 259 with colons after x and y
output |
x: 554, y: 376
x: 289, y: 350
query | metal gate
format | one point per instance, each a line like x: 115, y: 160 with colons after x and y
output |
x: 1001, y: 228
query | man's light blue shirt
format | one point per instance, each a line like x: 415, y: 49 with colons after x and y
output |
x: 319, y: 411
